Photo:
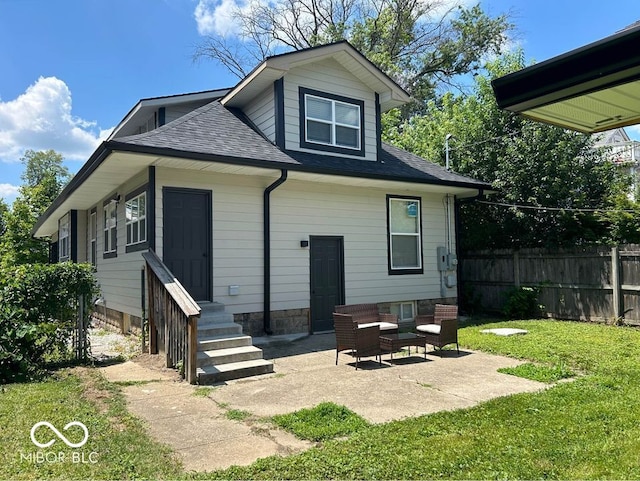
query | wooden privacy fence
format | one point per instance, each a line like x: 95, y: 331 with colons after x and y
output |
x: 599, y: 284
x: 173, y: 318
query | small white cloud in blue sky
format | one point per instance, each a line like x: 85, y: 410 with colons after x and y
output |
x: 41, y: 119
x: 214, y: 17
x: 8, y: 191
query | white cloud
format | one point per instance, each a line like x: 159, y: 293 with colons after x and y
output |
x: 8, y: 191
x: 217, y: 17
x: 41, y: 119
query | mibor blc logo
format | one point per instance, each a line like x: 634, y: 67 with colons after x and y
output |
x: 44, y: 435
x: 59, y: 434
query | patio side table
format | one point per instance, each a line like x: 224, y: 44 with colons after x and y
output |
x: 394, y: 342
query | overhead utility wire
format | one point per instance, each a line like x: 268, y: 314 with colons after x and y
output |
x: 534, y: 207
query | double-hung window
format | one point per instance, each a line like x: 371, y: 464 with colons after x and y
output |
x: 110, y: 228
x: 405, y: 235
x: 331, y: 123
x: 136, y: 219
x: 93, y: 235
x: 63, y: 239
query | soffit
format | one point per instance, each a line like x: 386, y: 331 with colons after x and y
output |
x: 591, y: 89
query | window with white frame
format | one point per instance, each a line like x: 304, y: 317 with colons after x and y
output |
x: 136, y: 219
x: 93, y: 237
x: 404, y: 310
x: 110, y: 228
x: 331, y: 123
x: 405, y: 235
x: 63, y: 238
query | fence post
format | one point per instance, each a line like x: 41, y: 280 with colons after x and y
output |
x: 516, y: 268
x: 615, y: 283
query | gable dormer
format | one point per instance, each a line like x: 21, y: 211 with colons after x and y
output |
x: 325, y: 100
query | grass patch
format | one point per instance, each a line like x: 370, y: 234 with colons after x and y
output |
x: 325, y: 421
x: 237, y: 414
x: 134, y: 383
x: 539, y: 372
x: 202, y: 391
x: 120, y: 443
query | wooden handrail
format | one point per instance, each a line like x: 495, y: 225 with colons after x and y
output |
x: 173, y: 317
x: 172, y: 285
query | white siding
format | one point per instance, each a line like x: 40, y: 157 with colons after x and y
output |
x: 300, y: 210
x: 261, y: 112
x: 329, y: 77
x: 119, y: 277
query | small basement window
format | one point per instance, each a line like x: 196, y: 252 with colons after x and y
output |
x: 404, y: 311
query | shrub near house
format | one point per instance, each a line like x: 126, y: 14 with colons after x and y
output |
x: 38, y: 309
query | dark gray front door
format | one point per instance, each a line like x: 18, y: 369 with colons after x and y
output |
x: 186, y: 233
x: 327, y: 280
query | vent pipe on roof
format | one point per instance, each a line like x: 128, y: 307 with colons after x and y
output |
x: 267, y: 250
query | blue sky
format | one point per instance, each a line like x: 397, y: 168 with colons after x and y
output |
x: 70, y: 70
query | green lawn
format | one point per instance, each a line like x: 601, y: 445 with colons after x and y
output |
x: 117, y: 447
x: 587, y: 428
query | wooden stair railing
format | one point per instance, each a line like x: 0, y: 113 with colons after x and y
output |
x: 173, y: 318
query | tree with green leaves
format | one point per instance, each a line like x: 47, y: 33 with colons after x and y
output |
x: 44, y: 178
x: 554, y: 174
x: 415, y: 42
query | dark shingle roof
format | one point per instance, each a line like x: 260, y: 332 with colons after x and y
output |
x: 215, y: 133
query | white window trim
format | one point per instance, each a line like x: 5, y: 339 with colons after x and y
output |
x: 417, y: 235
x: 135, y: 224
x: 64, y: 240
x: 107, y: 248
x: 93, y: 238
x: 333, y: 123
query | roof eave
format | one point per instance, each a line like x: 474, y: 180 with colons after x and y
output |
x: 589, y: 68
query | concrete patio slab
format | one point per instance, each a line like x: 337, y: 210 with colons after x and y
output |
x: 305, y: 374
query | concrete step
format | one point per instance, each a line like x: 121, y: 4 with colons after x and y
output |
x: 218, y: 329
x: 236, y: 370
x: 207, y: 317
x: 224, y: 341
x: 218, y: 357
x: 211, y: 306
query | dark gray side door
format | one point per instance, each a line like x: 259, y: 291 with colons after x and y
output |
x: 327, y: 280
x: 186, y: 236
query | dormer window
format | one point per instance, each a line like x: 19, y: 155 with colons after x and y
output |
x: 331, y: 123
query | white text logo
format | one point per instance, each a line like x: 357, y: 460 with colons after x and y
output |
x: 59, y: 434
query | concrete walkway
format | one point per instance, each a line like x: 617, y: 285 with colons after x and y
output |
x: 198, y: 428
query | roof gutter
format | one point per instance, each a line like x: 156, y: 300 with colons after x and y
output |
x: 267, y: 250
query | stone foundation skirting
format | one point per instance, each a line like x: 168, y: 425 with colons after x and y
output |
x: 289, y: 321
